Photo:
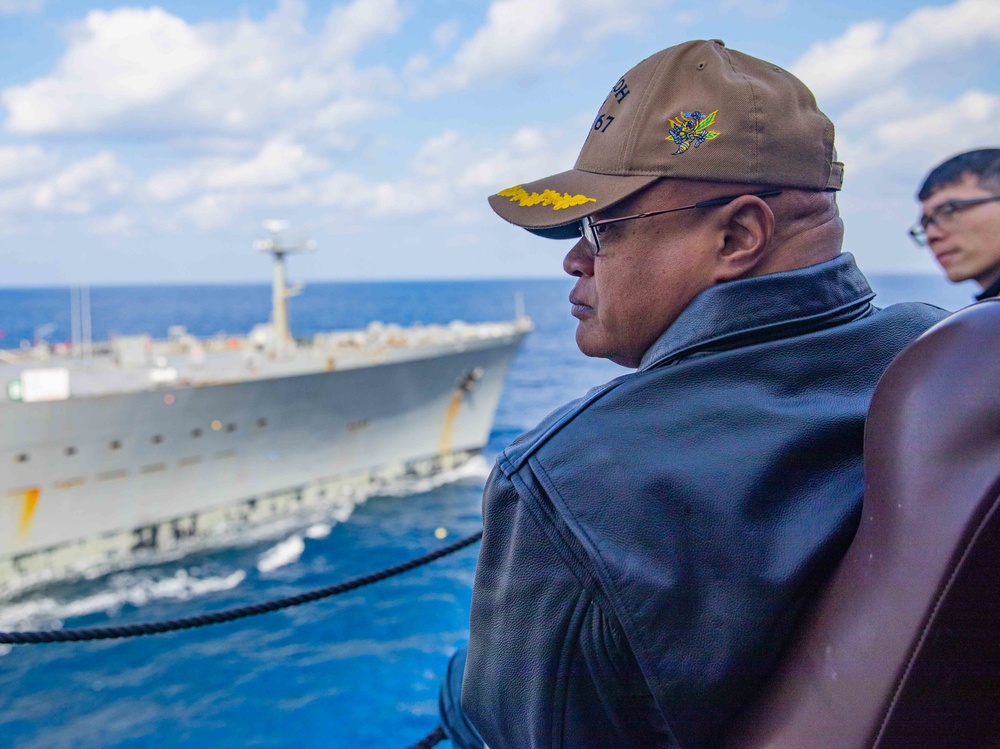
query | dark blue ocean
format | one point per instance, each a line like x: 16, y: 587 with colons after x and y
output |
x: 360, y: 670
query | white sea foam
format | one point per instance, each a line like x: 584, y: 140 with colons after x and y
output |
x: 342, y: 511
x: 136, y: 589
x: 279, y: 555
x: 319, y: 530
x: 317, y: 522
x: 475, y: 469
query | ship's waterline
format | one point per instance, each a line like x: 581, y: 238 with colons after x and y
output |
x: 245, y: 521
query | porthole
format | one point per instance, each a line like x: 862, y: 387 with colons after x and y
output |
x: 70, y: 451
x: 195, y: 433
x: 230, y: 427
x: 156, y: 439
x: 261, y: 423
x: 115, y: 445
x: 22, y: 458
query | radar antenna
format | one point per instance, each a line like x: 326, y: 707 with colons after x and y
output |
x: 280, y: 291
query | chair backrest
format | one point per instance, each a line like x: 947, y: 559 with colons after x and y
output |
x: 902, y: 649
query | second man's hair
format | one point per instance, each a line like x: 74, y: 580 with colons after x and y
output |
x: 983, y: 165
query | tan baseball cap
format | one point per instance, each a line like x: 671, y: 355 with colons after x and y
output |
x: 695, y: 111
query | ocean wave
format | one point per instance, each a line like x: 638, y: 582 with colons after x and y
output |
x: 318, y: 530
x: 127, y: 589
x: 282, y: 554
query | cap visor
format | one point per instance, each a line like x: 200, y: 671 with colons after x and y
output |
x: 551, y: 206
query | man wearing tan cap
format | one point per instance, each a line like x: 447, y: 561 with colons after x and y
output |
x: 648, y: 547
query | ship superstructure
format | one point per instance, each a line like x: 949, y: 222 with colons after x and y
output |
x: 114, y: 450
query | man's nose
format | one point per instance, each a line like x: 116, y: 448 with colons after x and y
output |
x: 579, y: 261
x: 933, y: 232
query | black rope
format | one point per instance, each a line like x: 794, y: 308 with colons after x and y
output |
x: 229, y: 615
x: 434, y: 738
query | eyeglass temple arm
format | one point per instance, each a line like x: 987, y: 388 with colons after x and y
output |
x: 703, y: 204
x: 729, y: 199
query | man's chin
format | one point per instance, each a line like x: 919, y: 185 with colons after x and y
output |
x: 956, y: 275
x: 586, y: 343
x: 593, y: 346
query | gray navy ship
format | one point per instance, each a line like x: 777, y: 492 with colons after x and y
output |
x: 132, y: 449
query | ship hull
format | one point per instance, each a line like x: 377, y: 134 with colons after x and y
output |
x: 105, y: 480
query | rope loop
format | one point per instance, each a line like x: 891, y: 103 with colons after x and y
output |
x: 240, y: 612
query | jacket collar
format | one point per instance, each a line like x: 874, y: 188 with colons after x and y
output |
x: 990, y: 291
x: 721, y: 316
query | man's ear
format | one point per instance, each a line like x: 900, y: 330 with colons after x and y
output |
x: 747, y: 227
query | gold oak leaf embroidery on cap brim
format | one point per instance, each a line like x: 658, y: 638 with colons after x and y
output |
x: 691, y: 129
x: 558, y: 200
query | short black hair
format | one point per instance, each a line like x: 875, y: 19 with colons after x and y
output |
x: 983, y: 164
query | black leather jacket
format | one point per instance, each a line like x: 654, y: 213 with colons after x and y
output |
x: 990, y: 291
x: 648, y: 547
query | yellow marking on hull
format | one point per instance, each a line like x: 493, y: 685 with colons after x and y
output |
x: 444, y: 444
x: 30, y: 499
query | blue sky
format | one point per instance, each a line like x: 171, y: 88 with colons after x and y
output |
x: 148, y: 143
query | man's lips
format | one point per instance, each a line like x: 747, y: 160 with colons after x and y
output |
x: 946, y: 256
x: 580, y: 309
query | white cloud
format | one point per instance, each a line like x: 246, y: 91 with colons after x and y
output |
x: 757, y: 8
x: 118, y: 224
x: 210, y: 211
x: 14, y: 200
x: 82, y: 187
x: 450, y: 176
x: 351, y: 193
x: 148, y: 71
x: 530, y: 154
x: 348, y: 111
x: 522, y: 35
x: 437, y: 157
x: 687, y: 17
x: 10, y: 7
x: 18, y: 163
x: 893, y: 124
x: 446, y: 33
x: 889, y: 103
x: 914, y: 137
x: 78, y: 189
x: 118, y: 61
x: 92, y: 190
x: 280, y: 162
x: 417, y: 66
x: 514, y: 36
x: 872, y: 54
x: 350, y: 27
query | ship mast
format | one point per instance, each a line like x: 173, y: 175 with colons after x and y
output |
x: 280, y: 291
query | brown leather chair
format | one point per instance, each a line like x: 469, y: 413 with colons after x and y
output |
x: 902, y: 649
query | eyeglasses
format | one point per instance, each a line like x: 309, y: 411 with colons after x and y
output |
x: 592, y: 230
x: 944, y: 216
